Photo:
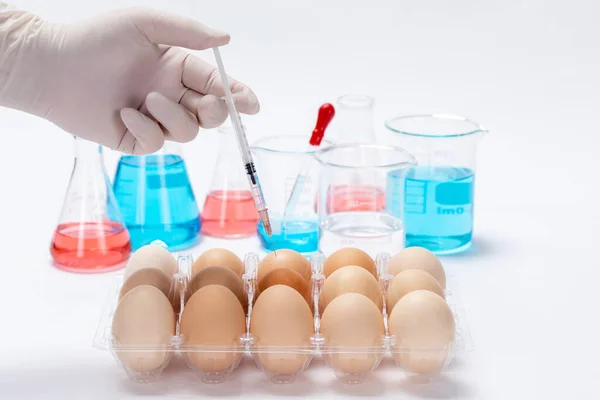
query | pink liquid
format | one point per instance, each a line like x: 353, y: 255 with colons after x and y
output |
x: 90, y: 247
x: 229, y: 214
x: 355, y: 198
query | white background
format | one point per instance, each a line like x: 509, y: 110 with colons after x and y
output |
x: 528, y: 70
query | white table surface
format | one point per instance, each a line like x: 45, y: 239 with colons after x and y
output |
x: 526, y: 69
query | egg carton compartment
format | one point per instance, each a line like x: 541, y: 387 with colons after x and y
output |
x: 280, y: 361
x: 353, y: 363
x: 422, y: 364
x: 143, y: 362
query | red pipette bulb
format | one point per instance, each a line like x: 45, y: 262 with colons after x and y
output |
x: 326, y: 113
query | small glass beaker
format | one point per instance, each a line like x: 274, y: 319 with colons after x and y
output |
x: 156, y: 199
x: 354, y: 215
x: 279, y: 160
x: 438, y: 209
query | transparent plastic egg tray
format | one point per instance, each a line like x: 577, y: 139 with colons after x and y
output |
x: 334, y: 356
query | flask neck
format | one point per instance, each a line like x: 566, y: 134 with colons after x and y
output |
x: 169, y: 148
x: 228, y: 146
x: 356, y: 121
x: 229, y: 169
x: 87, y: 151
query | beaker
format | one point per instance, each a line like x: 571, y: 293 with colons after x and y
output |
x: 90, y: 235
x: 354, y: 124
x: 156, y: 198
x: 440, y: 190
x: 373, y: 223
x: 354, y: 120
x: 229, y: 210
x: 280, y: 159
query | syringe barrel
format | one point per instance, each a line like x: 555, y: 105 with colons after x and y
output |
x: 256, y: 191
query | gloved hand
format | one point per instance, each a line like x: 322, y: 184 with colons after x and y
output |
x: 115, y: 79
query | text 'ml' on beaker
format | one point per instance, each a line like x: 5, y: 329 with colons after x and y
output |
x: 366, y: 217
x: 90, y: 236
x: 156, y: 199
x: 280, y: 159
x: 229, y: 210
x: 438, y: 209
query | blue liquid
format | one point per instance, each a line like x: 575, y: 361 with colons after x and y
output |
x: 301, y: 236
x: 156, y: 201
x: 437, y: 208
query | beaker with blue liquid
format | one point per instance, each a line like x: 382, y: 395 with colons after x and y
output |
x: 280, y: 159
x: 156, y: 199
x: 439, y: 192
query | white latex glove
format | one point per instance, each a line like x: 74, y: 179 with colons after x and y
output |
x: 115, y: 79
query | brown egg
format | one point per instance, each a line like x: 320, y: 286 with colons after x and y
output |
x: 418, y: 258
x: 349, y: 256
x: 153, y: 277
x: 424, y: 328
x: 408, y: 281
x: 144, y: 317
x: 219, y: 276
x: 151, y: 256
x: 219, y: 258
x: 284, y: 258
x: 288, y: 277
x: 281, y: 317
x: 352, y: 320
x: 350, y: 279
x: 213, y: 316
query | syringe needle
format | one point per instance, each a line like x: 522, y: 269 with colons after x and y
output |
x: 264, y: 217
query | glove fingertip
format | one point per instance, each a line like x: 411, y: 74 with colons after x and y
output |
x: 205, y: 37
x: 219, y: 38
x: 247, y: 104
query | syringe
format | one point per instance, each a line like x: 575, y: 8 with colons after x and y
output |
x: 257, y: 194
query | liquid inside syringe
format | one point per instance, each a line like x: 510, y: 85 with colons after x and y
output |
x: 258, y: 197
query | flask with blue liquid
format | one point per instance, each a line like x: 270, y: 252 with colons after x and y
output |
x: 156, y: 199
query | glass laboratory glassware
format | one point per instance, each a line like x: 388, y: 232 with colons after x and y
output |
x: 440, y: 190
x: 354, y: 119
x: 369, y: 226
x: 354, y: 124
x: 90, y: 236
x: 156, y: 199
x: 280, y: 159
x: 229, y: 210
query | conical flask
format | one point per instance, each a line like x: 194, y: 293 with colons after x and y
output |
x: 90, y: 236
x: 156, y: 199
x: 229, y: 210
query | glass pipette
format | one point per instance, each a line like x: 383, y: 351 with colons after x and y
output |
x: 326, y: 114
x: 242, y: 141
